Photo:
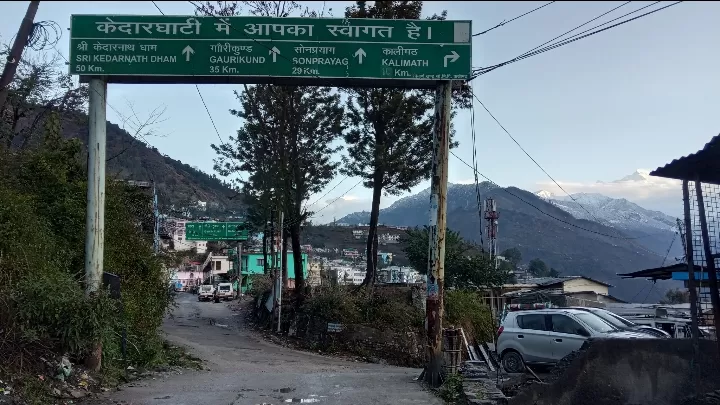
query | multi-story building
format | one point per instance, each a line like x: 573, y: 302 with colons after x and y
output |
x: 253, y: 263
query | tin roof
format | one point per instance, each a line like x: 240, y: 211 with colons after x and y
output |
x: 703, y: 165
x: 660, y: 273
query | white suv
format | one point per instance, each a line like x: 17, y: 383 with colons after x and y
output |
x: 544, y: 336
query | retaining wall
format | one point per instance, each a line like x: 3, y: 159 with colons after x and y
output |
x: 629, y: 372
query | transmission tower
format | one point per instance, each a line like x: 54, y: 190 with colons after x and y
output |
x: 491, y: 228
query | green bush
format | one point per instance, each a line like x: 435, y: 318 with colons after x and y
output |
x: 259, y: 283
x: 341, y: 304
x: 465, y: 309
x: 43, y: 307
x: 451, y: 391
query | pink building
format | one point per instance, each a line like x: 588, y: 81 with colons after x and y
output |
x: 189, y: 278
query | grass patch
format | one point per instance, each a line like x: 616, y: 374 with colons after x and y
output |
x: 451, y: 391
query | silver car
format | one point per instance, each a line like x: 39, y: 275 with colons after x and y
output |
x: 544, y: 336
x: 623, y: 324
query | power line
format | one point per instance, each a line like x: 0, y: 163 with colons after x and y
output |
x: 540, y: 210
x: 668, y: 249
x: 557, y: 37
x: 531, y: 158
x: 482, y: 71
x: 511, y: 20
x: 477, y: 182
x: 199, y: 94
x: 328, y: 192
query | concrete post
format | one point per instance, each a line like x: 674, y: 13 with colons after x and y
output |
x: 95, y: 215
x: 436, y: 258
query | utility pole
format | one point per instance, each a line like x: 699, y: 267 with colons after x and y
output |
x: 95, y: 214
x: 156, y: 214
x: 279, y: 280
x: 436, y: 258
x: 13, y: 59
x: 688, y: 245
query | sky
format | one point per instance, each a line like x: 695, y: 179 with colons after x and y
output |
x: 590, y: 113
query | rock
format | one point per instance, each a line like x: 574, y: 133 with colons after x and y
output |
x: 56, y: 393
x: 77, y: 394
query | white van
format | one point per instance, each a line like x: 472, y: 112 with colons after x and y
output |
x: 224, y: 291
x: 206, y: 292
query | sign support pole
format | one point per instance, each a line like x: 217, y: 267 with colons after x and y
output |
x: 95, y: 214
x: 280, y: 278
x: 436, y: 257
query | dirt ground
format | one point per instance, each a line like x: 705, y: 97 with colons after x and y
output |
x: 246, y: 369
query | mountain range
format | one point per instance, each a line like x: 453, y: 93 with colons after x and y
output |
x: 653, y: 229
x: 618, y: 237
x: 179, y: 186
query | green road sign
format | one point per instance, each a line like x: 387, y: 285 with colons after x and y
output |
x: 214, y: 231
x: 170, y: 49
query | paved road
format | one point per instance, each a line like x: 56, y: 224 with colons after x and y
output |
x: 244, y: 369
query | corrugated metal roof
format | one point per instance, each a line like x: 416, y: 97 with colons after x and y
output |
x: 545, y: 281
x: 703, y: 165
x: 660, y: 273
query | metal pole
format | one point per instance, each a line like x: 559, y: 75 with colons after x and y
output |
x: 436, y: 258
x: 691, y: 283
x: 15, y: 55
x: 710, y: 261
x: 95, y: 215
x: 239, y: 267
x: 280, y: 279
x: 156, y: 214
x: 691, y: 266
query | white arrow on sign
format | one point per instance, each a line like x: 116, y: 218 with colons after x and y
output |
x: 453, y: 57
x: 187, y: 51
x: 360, y: 54
x: 274, y: 52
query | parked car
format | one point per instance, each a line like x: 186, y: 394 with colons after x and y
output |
x: 624, y: 324
x: 224, y: 292
x: 206, y: 292
x: 545, y: 336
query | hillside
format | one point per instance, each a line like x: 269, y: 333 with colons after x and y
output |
x: 178, y: 184
x: 540, y: 230
x: 341, y: 237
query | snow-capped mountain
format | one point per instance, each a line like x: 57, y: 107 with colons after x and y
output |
x: 614, y: 212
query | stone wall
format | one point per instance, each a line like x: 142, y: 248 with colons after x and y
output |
x: 479, y: 385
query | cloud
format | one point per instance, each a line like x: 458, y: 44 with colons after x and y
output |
x: 335, y: 208
x: 650, y: 192
x: 464, y: 181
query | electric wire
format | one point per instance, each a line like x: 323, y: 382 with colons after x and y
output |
x: 475, y: 159
x: 503, y: 22
x: 540, y: 210
x: 484, y: 70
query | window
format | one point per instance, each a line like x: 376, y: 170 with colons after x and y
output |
x: 534, y: 321
x: 595, y: 323
x: 261, y: 262
x: 565, y: 324
x: 218, y: 265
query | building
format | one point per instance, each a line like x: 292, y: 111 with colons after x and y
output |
x: 397, y: 274
x: 360, y: 233
x: 351, y: 253
x: 314, y: 272
x: 564, y: 291
x: 254, y: 264
x: 388, y: 238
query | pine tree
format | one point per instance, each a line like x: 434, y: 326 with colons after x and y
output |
x: 286, y: 145
x: 390, y: 130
